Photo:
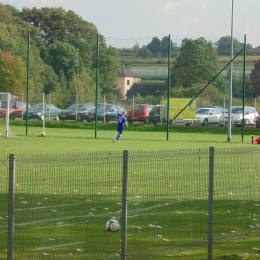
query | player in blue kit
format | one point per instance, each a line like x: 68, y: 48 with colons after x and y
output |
x: 120, y: 125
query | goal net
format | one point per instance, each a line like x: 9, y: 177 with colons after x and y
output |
x: 6, y: 102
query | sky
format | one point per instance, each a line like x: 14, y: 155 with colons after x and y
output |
x: 141, y: 20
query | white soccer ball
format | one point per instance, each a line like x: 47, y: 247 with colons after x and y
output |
x: 112, y: 225
x: 43, y: 134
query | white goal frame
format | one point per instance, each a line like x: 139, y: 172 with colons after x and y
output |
x: 8, y: 99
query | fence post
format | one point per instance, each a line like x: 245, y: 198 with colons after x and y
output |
x: 210, y: 202
x: 11, y: 207
x: 124, y: 205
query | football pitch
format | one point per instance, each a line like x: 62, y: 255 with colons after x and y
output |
x: 71, y: 184
x: 65, y: 140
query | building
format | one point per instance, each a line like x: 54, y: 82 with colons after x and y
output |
x: 126, y: 78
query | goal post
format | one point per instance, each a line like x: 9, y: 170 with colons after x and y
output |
x: 6, y: 101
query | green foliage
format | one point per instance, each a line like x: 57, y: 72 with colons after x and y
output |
x: 50, y: 79
x: 146, y: 89
x: 160, y: 48
x: 81, y: 88
x: 63, y: 57
x: 63, y: 47
x: 12, y: 74
x: 255, y: 79
x: 108, y: 69
x: 155, y: 45
x: 144, y: 53
x: 224, y: 43
x: 210, y: 96
x: 195, y: 63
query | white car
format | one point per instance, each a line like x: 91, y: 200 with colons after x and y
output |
x: 237, y: 116
x: 205, y: 116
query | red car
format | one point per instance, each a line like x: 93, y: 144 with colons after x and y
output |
x: 140, y: 113
x: 15, y: 111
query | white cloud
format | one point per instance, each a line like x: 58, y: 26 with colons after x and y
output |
x: 194, y: 26
x: 170, y: 7
x: 204, y: 8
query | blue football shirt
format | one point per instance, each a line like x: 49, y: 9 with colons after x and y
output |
x: 121, y: 121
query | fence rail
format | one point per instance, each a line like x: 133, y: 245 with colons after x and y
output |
x: 169, y: 203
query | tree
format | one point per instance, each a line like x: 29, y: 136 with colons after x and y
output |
x: 69, y: 45
x: 155, y: 45
x: 144, y: 52
x: 195, y: 63
x: 12, y: 74
x: 165, y: 45
x: 81, y: 86
x: 11, y: 41
x: 63, y: 57
x: 50, y: 79
x: 224, y: 43
x: 255, y: 79
x: 109, y: 68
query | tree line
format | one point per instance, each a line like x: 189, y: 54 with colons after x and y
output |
x: 63, y: 54
x: 64, y: 50
x: 160, y: 47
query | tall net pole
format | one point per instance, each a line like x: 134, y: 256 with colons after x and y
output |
x: 230, y: 77
x: 28, y: 84
x: 169, y: 77
x: 97, y: 85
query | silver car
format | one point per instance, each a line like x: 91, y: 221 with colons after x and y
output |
x: 237, y: 114
x: 207, y: 115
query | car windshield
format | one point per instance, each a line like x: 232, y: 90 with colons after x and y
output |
x: 74, y: 107
x: 203, y: 111
x: 38, y: 106
x: 237, y: 110
x: 105, y: 107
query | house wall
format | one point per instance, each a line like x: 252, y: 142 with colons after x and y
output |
x: 125, y: 83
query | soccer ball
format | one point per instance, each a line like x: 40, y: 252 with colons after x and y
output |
x: 43, y: 134
x: 112, y: 225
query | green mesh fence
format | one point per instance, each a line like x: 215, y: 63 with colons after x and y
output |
x: 4, y: 169
x: 167, y: 198
x: 63, y: 201
x: 236, y: 201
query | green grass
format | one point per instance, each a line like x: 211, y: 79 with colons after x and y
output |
x: 81, y: 137
x: 56, y: 190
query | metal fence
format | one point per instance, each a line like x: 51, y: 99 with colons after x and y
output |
x: 193, y: 203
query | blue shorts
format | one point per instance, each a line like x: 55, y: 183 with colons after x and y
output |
x: 120, y: 130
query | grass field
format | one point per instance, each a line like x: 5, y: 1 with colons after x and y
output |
x: 67, y: 187
x: 71, y: 138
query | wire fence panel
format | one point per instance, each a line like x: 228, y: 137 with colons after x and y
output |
x: 4, y: 170
x: 63, y: 202
x: 167, y: 198
x: 236, y: 201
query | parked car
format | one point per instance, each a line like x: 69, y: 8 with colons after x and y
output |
x: 74, y: 112
x: 15, y: 111
x: 154, y: 116
x: 257, y: 121
x: 41, y: 111
x: 236, y: 116
x: 140, y: 113
x: 205, y: 116
x: 222, y: 109
x: 105, y: 112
